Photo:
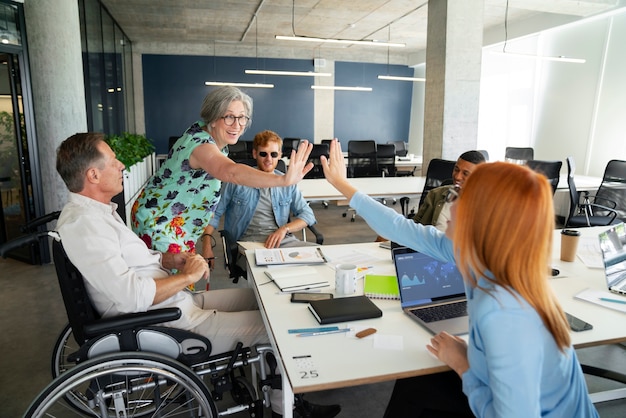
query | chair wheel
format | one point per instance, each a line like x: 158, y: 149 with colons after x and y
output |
x: 351, y: 219
x: 344, y: 214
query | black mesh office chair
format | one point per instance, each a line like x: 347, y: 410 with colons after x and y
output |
x: 550, y: 169
x: 386, y: 160
x: 612, y: 190
x: 519, y: 155
x: 238, y: 152
x: 581, y: 214
x: 439, y: 173
x: 362, y: 158
x: 401, y: 148
x: 317, y: 151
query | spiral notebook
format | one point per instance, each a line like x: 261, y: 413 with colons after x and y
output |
x: 381, y: 287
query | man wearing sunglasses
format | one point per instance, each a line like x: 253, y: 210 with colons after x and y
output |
x: 435, y: 210
x: 263, y: 214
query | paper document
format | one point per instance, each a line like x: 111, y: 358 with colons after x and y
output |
x: 589, y: 252
x: 596, y: 296
x: 291, y: 255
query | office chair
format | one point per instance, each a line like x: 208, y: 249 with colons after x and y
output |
x: 401, y: 148
x: 439, y: 173
x: 386, y: 160
x: 290, y: 144
x: 362, y: 158
x: 612, y: 190
x: 317, y: 151
x: 518, y: 155
x: 238, y: 152
x: 581, y: 213
x: 550, y: 169
x: 485, y: 153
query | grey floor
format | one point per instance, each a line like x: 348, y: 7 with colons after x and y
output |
x: 33, y: 316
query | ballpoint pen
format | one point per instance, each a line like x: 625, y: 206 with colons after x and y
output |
x: 613, y: 300
x: 312, y: 334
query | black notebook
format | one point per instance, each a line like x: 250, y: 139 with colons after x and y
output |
x: 344, y: 309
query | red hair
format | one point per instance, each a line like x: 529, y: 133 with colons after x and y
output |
x: 505, y: 223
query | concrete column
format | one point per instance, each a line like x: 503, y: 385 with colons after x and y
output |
x: 453, y: 60
x: 54, y: 46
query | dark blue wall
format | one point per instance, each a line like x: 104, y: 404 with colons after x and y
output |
x: 382, y: 114
x: 174, y: 89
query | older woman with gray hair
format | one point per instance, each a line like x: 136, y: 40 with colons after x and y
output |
x: 178, y: 202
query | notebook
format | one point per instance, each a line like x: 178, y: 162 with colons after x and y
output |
x: 352, y: 308
x: 381, y: 287
x: 613, y: 248
x: 432, y: 292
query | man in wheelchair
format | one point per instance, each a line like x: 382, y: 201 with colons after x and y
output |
x: 123, y: 276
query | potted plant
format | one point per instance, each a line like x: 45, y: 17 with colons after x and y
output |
x: 136, y: 152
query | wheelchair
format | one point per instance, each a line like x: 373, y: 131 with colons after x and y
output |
x: 127, y: 366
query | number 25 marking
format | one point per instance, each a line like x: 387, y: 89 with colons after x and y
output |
x: 311, y: 374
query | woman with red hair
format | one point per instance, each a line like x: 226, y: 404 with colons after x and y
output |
x: 518, y: 360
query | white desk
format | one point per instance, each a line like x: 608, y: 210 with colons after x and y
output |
x: 320, y: 189
x: 336, y: 360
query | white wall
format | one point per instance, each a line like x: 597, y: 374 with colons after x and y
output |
x: 560, y: 109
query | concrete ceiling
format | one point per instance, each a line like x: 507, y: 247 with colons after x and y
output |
x: 229, y: 27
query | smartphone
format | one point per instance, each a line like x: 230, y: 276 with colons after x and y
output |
x: 304, y: 297
x: 577, y: 324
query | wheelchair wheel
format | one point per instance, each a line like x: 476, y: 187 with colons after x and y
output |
x: 127, y: 384
x: 64, y: 346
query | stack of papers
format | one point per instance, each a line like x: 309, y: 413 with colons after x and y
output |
x: 603, y: 298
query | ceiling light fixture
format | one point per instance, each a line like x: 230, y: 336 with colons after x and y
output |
x: 345, y: 88
x: 559, y: 58
x: 339, y: 41
x: 228, y: 83
x: 294, y: 73
x: 400, y: 78
x: 394, y: 77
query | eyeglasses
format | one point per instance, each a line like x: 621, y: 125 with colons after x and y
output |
x: 453, y: 194
x: 263, y: 154
x: 230, y: 119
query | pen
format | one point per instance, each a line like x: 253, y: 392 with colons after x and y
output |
x: 313, y: 334
x: 310, y: 330
x: 613, y: 300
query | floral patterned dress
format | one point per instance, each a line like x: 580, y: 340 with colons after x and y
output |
x: 178, y: 202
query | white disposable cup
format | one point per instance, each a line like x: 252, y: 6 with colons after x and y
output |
x: 345, y: 279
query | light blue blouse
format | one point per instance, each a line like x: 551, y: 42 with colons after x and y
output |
x: 516, y: 369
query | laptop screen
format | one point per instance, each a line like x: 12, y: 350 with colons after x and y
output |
x: 613, y: 247
x: 423, y: 279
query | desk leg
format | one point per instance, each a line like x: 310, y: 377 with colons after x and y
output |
x: 287, y: 397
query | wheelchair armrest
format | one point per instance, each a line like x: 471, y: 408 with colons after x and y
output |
x: 129, y: 321
x: 18, y: 242
x: 42, y: 220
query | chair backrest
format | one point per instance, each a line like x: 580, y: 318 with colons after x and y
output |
x: 485, y: 153
x: 439, y: 173
x: 290, y: 144
x: 613, y: 187
x: 386, y: 160
x: 519, y: 155
x: 401, y: 148
x: 362, y: 158
x: 318, y: 150
x: 550, y: 169
x: 78, y: 306
x: 238, y: 151
x: 571, y: 185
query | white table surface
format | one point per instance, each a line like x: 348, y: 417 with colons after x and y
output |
x: 338, y: 360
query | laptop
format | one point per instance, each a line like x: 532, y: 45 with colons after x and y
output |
x: 432, y: 292
x: 613, y: 248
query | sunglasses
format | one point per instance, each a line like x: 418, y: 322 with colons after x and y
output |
x: 453, y: 194
x: 263, y: 154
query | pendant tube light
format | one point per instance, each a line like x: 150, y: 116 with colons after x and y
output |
x: 292, y: 73
x: 339, y: 41
x: 344, y: 88
x: 228, y: 83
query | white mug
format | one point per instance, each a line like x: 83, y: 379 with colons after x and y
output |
x: 345, y: 279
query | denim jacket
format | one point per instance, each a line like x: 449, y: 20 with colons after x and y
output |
x: 239, y: 203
